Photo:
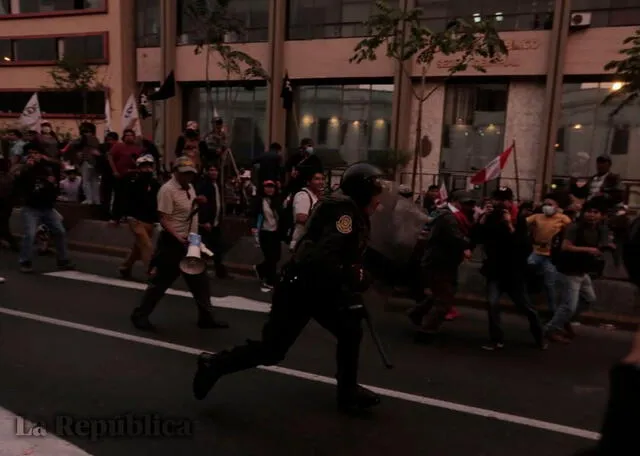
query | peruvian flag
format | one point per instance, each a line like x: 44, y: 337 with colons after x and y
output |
x: 493, y: 169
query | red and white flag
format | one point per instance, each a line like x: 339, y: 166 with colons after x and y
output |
x: 493, y: 169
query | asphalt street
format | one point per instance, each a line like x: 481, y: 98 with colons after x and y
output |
x: 67, y: 349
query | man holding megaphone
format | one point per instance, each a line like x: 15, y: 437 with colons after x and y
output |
x: 179, y: 249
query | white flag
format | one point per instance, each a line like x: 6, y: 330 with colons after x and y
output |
x: 107, y: 114
x: 444, y: 195
x: 130, y: 118
x: 31, y: 117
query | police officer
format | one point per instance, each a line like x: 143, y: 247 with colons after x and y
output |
x: 323, y: 280
x: 177, y: 207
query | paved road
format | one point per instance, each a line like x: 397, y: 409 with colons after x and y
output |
x: 67, y: 348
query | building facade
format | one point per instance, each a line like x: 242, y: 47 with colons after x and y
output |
x: 546, y: 95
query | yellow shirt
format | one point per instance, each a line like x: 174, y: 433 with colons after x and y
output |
x: 544, y: 228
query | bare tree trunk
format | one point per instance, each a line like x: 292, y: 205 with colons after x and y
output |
x: 418, y: 142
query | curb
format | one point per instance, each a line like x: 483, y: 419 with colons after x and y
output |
x: 397, y: 302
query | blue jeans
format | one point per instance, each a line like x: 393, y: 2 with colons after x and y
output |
x: 31, y: 219
x: 516, y: 290
x: 543, y: 264
x: 576, y: 293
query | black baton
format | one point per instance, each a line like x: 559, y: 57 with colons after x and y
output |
x: 375, y: 337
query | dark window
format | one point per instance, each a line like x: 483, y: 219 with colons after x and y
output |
x: 6, y: 51
x: 620, y: 141
x: 54, y: 102
x: 84, y: 47
x: 323, y: 130
x: 311, y: 19
x: 559, y: 145
x: 49, y: 6
x: 148, y: 23
x: 36, y: 50
x: 5, y: 7
x: 252, y: 14
x: 610, y: 13
x: 508, y: 14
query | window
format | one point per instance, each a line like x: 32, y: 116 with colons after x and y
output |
x: 508, y: 14
x: 347, y: 123
x: 54, y: 103
x: 84, y: 48
x: 610, y: 13
x: 5, y: 7
x: 47, y: 50
x: 311, y: 19
x: 50, y: 6
x: 245, y: 117
x: 148, y: 23
x: 474, y: 120
x: 252, y: 14
x: 591, y: 132
x: 35, y: 50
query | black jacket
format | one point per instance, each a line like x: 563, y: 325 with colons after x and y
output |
x: 33, y: 183
x: 207, y: 212
x: 446, y: 242
x: 330, y: 254
x: 143, y: 199
x: 270, y: 167
x: 505, y: 252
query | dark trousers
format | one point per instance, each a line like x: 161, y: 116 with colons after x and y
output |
x: 271, y: 249
x: 106, y: 192
x: 213, y: 240
x: 443, y: 290
x: 166, y: 262
x: 517, y: 292
x: 293, y: 305
x: 120, y: 190
x: 6, y: 208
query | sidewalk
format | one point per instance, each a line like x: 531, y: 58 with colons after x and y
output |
x: 616, y: 298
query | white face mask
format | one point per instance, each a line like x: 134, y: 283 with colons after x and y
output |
x: 548, y: 210
x: 309, y: 150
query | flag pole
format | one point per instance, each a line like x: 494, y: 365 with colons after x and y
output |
x: 515, y: 168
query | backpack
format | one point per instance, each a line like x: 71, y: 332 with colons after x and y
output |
x: 631, y: 252
x: 569, y: 262
x: 286, y: 223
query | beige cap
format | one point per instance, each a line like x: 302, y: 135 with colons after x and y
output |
x: 184, y: 165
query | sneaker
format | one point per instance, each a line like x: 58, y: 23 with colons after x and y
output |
x: 125, y: 273
x: 66, y: 265
x: 452, y: 315
x: 265, y: 287
x: 2, y: 280
x: 357, y: 401
x: 556, y: 336
x: 26, y: 267
x: 493, y: 346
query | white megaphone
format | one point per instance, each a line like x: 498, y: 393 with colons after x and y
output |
x: 193, y: 264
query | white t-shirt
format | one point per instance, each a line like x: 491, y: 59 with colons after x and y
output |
x: 303, y: 202
x: 270, y: 222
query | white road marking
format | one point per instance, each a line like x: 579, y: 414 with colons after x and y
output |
x: 11, y: 443
x: 227, y: 302
x: 423, y: 400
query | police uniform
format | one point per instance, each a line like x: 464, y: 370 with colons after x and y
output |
x: 177, y: 202
x: 323, y: 281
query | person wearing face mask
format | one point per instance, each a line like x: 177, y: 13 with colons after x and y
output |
x: 300, y: 167
x: 448, y: 245
x: 544, y: 227
x: 143, y: 214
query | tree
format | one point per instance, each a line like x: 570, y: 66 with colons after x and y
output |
x: 400, y: 33
x: 627, y: 71
x: 214, y: 25
x: 75, y: 76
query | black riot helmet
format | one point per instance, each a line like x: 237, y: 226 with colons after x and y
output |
x: 360, y: 182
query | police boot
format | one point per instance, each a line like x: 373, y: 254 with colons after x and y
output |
x: 619, y: 431
x: 207, y: 374
x: 357, y: 400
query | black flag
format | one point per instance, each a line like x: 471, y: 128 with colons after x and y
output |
x: 167, y: 90
x: 287, y: 93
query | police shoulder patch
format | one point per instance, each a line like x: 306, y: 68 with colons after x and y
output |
x: 344, y: 224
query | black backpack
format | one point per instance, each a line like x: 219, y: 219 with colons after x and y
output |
x: 631, y: 252
x: 286, y: 224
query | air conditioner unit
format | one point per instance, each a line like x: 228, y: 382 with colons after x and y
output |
x: 579, y: 20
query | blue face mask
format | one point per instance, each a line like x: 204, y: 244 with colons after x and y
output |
x: 309, y: 150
